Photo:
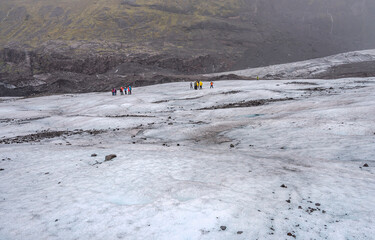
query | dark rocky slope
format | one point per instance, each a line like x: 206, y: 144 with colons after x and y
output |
x: 46, y: 70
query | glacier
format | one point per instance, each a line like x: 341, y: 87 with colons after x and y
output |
x: 191, y: 164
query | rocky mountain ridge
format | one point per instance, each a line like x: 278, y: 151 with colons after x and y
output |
x: 251, y: 32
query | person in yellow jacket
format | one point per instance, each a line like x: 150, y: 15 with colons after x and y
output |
x: 200, y: 84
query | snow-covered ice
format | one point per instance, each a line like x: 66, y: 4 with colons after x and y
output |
x: 176, y: 175
x: 304, y: 69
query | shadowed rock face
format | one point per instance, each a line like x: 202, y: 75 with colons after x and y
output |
x: 179, y: 37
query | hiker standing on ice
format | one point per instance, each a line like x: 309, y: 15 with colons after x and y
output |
x: 191, y: 85
x: 200, y: 85
x: 122, y: 90
x: 196, y: 85
x: 130, y: 90
x: 211, y: 85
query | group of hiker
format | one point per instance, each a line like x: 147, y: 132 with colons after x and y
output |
x: 199, y: 85
x: 123, y: 90
x: 128, y: 90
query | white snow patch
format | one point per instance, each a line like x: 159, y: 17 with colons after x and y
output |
x: 303, y: 69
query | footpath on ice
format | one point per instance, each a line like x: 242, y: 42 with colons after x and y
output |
x: 244, y: 160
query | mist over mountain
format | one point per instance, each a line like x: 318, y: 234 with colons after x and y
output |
x: 180, y: 36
